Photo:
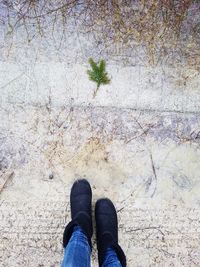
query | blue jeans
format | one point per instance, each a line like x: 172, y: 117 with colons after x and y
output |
x: 77, y: 252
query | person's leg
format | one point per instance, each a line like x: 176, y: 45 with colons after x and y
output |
x: 78, y: 232
x: 110, y: 254
x: 111, y: 259
x: 77, y: 252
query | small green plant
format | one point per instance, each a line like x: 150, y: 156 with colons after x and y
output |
x: 98, y: 73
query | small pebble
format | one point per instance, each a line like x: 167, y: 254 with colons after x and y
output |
x: 51, y: 176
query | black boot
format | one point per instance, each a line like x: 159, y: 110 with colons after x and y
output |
x: 107, y: 230
x: 81, y: 211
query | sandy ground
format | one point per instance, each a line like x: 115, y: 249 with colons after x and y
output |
x: 137, y: 142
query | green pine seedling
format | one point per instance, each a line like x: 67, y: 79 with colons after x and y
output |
x: 98, y: 73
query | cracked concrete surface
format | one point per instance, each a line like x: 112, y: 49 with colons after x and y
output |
x: 137, y: 142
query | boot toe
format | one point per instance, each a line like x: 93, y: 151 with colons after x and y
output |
x: 105, y: 206
x: 81, y: 187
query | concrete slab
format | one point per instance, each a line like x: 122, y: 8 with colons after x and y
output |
x: 147, y: 163
x: 137, y: 141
